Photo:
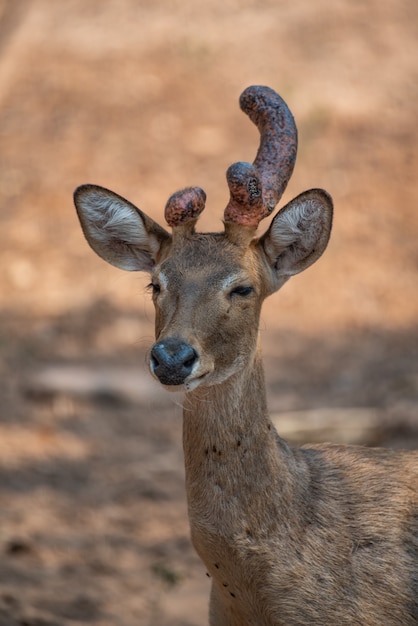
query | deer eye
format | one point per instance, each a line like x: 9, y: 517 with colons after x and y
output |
x: 154, y: 288
x: 241, y: 291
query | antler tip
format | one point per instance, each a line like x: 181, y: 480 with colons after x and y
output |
x: 184, y: 206
x: 256, y: 97
x: 245, y: 206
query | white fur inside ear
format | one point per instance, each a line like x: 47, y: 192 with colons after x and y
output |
x: 299, y: 233
x: 300, y: 226
x: 114, y: 229
x: 108, y: 217
x: 287, y: 229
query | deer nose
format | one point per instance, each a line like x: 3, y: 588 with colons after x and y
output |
x: 172, y: 360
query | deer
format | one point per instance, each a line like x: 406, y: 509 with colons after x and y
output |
x: 310, y: 535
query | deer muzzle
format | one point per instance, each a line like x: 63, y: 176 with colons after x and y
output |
x: 172, y: 361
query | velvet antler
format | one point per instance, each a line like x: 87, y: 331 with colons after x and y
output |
x: 256, y: 189
x: 184, y: 207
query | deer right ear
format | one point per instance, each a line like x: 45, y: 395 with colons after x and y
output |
x: 117, y: 231
x: 298, y: 235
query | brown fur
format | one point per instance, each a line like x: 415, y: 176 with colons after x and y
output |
x: 312, y: 536
x: 318, y: 535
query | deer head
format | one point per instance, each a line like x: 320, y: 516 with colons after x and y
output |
x: 208, y: 288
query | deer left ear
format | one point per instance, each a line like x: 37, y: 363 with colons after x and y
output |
x: 299, y: 234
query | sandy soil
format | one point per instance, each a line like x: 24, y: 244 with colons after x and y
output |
x: 141, y: 97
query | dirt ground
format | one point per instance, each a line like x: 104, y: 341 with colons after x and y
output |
x: 141, y: 97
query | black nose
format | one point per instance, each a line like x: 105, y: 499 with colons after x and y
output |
x: 172, y: 360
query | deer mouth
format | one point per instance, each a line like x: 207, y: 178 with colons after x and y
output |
x: 192, y: 384
x: 187, y: 385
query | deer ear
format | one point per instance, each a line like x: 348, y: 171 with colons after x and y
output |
x: 299, y: 233
x: 117, y: 231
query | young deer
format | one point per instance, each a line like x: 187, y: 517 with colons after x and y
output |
x: 319, y: 535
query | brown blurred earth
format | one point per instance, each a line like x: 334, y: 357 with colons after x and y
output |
x: 141, y: 97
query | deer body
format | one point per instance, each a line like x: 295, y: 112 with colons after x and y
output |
x: 306, y: 536
x: 315, y: 536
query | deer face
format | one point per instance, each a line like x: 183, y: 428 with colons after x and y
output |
x: 208, y: 288
x: 207, y: 296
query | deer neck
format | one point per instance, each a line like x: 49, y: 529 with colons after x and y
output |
x: 238, y: 470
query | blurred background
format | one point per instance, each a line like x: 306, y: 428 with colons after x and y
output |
x: 142, y: 97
